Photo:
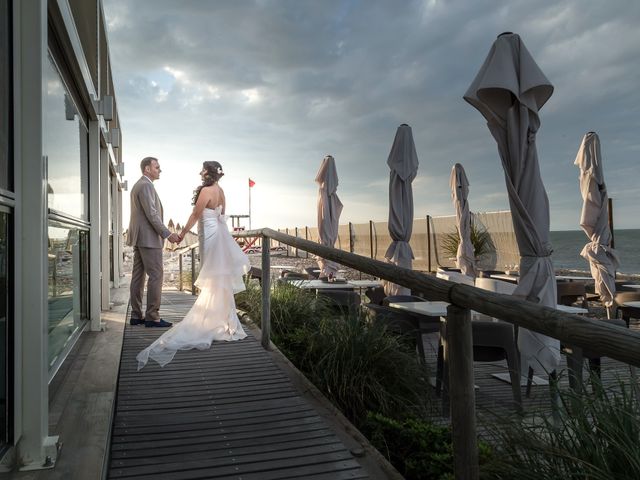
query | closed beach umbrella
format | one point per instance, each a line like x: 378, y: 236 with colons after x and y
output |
x: 509, y: 91
x: 594, y: 219
x: 329, y: 210
x: 465, y: 259
x: 403, y: 162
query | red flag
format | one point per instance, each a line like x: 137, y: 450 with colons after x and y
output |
x: 251, y: 183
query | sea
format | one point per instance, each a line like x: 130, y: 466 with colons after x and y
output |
x: 567, y: 246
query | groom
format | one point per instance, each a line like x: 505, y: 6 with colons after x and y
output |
x: 146, y: 234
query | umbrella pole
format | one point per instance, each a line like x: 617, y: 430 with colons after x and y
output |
x: 610, y: 205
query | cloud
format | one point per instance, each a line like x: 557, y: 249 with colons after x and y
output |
x: 270, y: 87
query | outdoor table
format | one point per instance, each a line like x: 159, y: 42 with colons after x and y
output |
x: 320, y: 285
x: 429, y: 309
x: 365, y: 283
x: 574, y: 310
x: 631, y: 304
x: 506, y: 277
x: 574, y: 278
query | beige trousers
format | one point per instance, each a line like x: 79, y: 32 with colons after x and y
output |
x: 146, y: 261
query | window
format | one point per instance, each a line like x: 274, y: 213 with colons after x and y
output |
x: 6, y: 351
x: 6, y: 97
x: 66, y: 145
x: 68, y: 284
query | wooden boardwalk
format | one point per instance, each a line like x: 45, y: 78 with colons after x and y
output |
x: 494, y: 398
x: 226, y: 413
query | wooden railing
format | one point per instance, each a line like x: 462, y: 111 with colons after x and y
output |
x: 608, y: 340
x: 189, y: 250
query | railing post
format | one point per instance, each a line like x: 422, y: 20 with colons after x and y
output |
x: 351, y: 238
x: 296, y: 235
x: 193, y: 271
x: 610, y: 218
x: 462, y: 396
x: 428, y: 243
x: 286, y: 230
x: 371, y: 237
x: 180, y: 272
x: 266, y: 293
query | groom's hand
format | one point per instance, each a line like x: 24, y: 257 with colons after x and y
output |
x: 174, y: 238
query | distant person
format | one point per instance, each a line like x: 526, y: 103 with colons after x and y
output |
x: 213, y: 315
x: 146, y: 235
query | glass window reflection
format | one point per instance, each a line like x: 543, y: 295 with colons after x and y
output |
x: 66, y: 147
x: 68, y: 257
x: 5, y: 311
x: 5, y: 97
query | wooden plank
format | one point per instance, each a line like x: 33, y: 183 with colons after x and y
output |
x: 226, y: 412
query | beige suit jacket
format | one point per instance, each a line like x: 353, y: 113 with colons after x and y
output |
x: 146, y: 227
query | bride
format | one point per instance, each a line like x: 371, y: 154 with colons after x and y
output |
x: 213, y: 315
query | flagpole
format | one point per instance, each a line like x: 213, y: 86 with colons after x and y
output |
x: 249, y: 204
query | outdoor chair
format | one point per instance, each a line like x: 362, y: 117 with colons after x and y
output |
x: 627, y: 312
x: 492, y: 342
x: 488, y: 273
x: 455, y: 277
x: 255, y: 272
x: 425, y: 323
x: 576, y: 356
x: 375, y: 294
x: 493, y: 285
x: 570, y: 292
x: 293, y: 275
x: 620, y: 286
x: 341, y: 301
x: 401, y: 298
x: 313, y: 272
x: 400, y: 323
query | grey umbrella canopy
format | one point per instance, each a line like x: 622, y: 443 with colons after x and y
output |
x: 509, y: 90
x: 329, y: 210
x: 403, y: 162
x: 594, y: 219
x: 465, y: 258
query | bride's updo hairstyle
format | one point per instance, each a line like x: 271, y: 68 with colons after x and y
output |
x: 213, y: 173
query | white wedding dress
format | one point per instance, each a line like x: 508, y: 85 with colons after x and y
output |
x: 213, y: 315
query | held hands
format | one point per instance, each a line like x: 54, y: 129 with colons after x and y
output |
x: 174, y: 238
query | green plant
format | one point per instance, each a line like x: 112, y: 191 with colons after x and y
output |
x: 417, y: 448
x: 294, y: 316
x: 597, y: 438
x: 363, y: 367
x: 480, y: 239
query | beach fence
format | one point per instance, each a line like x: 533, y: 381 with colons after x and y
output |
x: 428, y: 240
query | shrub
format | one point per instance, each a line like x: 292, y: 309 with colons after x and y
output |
x: 416, y: 448
x: 480, y: 239
x: 597, y: 438
x: 363, y: 367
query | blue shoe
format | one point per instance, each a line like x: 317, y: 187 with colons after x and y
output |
x: 160, y: 324
x: 136, y: 321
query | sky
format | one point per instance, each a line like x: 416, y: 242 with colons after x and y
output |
x: 269, y: 87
